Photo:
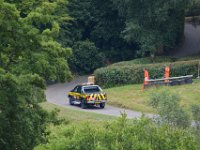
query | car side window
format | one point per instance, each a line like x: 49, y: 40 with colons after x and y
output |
x: 75, y: 89
x: 79, y: 90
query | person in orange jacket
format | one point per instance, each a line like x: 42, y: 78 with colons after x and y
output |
x: 146, y: 76
x: 167, y: 73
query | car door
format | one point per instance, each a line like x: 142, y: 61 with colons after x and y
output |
x: 73, y: 93
x: 79, y: 92
x: 76, y: 93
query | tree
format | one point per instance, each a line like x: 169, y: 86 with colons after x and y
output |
x: 156, y: 24
x: 99, y: 22
x: 86, y: 57
x: 23, y: 122
x: 29, y: 55
x: 193, y: 8
x: 29, y: 44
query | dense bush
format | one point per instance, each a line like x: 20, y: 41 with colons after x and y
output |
x: 147, y: 60
x: 193, y: 8
x: 86, y: 57
x: 121, y: 134
x: 98, y: 21
x: 133, y: 73
x: 196, y: 115
x: 169, y: 109
x: 156, y: 59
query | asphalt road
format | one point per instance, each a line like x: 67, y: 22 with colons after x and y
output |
x: 57, y: 94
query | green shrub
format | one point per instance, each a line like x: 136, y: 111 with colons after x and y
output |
x: 193, y: 8
x: 196, y: 115
x: 133, y: 73
x: 146, y: 60
x: 169, y: 109
x: 86, y: 58
x: 122, y: 134
x: 155, y: 60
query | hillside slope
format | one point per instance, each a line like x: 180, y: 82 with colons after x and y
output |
x: 132, y: 96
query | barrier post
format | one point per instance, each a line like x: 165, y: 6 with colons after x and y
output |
x: 198, y: 70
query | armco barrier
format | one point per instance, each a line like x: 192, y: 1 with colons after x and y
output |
x: 170, y: 81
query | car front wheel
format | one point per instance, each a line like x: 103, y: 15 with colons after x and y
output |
x: 71, y: 102
x: 102, y: 105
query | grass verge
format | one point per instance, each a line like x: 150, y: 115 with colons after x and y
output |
x: 132, y: 96
x: 72, y: 115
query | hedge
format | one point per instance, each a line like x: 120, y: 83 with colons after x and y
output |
x: 157, y: 59
x: 133, y: 73
x: 147, y: 60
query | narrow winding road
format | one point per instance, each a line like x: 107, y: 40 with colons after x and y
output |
x: 57, y: 94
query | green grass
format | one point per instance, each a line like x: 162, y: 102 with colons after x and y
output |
x: 132, y: 96
x: 72, y: 115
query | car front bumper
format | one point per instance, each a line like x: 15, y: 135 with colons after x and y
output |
x: 96, y: 102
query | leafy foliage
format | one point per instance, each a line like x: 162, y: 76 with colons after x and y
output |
x: 123, y: 30
x: 156, y: 24
x: 193, y: 8
x: 169, y: 109
x: 120, y: 134
x: 196, y: 117
x: 86, y: 57
x: 29, y: 44
x: 196, y: 114
x: 23, y: 122
x: 99, y: 22
x: 29, y: 55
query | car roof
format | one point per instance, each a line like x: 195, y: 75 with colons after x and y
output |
x: 89, y: 85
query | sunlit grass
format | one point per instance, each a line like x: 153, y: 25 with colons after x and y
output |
x: 133, y: 97
x: 72, y: 115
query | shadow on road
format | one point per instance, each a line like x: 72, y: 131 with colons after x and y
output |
x: 88, y: 107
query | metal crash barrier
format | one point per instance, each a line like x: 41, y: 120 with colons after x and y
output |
x: 169, y: 81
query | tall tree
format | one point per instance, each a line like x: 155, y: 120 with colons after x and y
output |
x: 99, y: 22
x: 29, y: 55
x: 107, y: 32
x: 22, y: 120
x: 155, y: 24
x: 29, y: 30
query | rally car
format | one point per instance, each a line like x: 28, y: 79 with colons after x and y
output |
x: 86, y: 95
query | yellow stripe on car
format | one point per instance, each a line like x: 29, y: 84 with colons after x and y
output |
x: 91, y: 97
x: 103, y: 96
x: 99, y: 96
x: 95, y: 96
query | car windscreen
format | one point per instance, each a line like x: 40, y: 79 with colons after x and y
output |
x: 92, y: 89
